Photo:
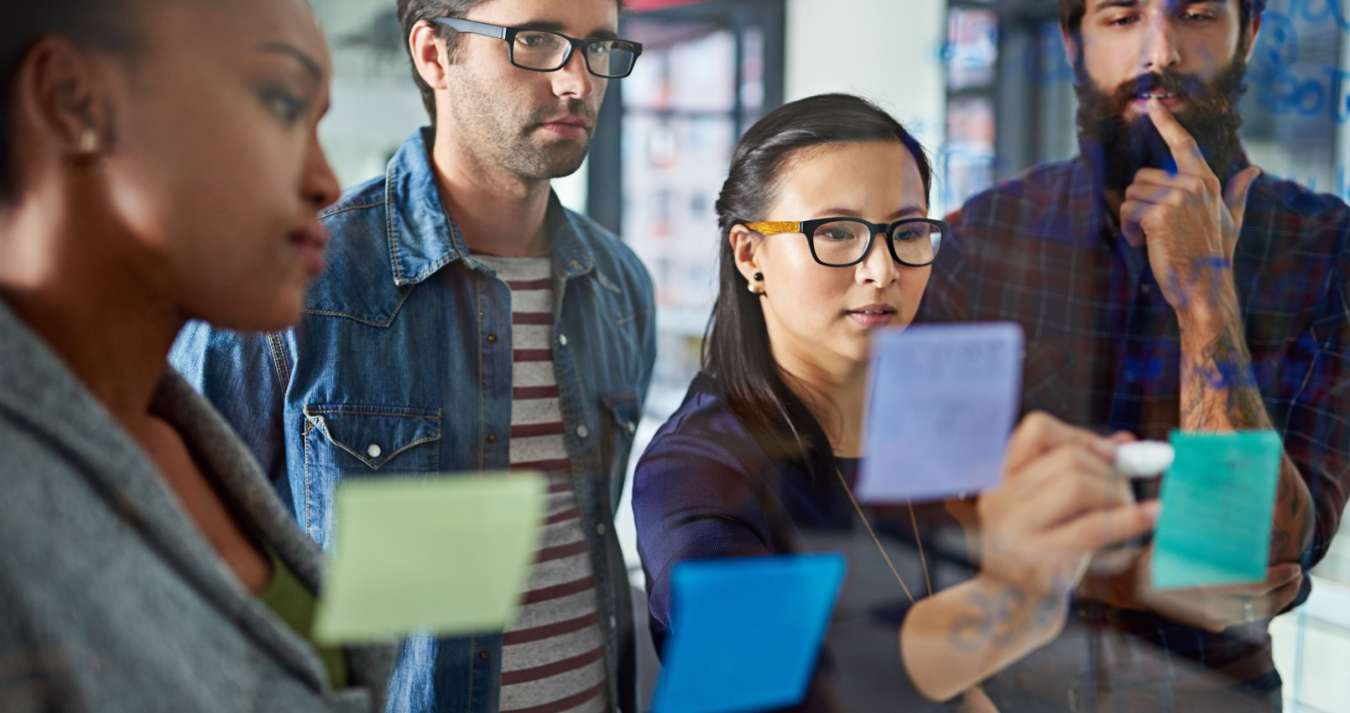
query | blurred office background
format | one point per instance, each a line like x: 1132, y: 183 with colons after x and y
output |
x: 985, y: 87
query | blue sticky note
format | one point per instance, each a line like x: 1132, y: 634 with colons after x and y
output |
x: 1218, y: 502
x: 941, y: 402
x: 747, y: 632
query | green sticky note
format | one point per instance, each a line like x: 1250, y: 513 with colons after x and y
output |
x: 1218, y: 501
x: 443, y: 554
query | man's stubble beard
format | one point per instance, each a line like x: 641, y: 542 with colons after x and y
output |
x: 507, y: 140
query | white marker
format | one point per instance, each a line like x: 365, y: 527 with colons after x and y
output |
x: 1143, y: 460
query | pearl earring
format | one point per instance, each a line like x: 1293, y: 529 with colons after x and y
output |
x: 88, y: 142
x: 754, y: 287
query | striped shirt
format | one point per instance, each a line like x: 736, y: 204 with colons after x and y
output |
x: 553, y: 657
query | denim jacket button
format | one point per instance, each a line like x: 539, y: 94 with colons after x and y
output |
x: 613, y: 622
x: 482, y: 655
x: 562, y: 339
x: 600, y: 529
x: 492, y: 338
x: 492, y: 438
x: 583, y: 432
x: 374, y: 450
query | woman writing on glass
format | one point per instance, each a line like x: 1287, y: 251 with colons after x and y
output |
x: 159, y: 162
x: 825, y: 241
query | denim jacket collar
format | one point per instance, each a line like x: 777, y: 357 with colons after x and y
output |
x: 423, y: 237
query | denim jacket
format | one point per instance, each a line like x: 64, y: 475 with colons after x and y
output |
x: 402, y: 364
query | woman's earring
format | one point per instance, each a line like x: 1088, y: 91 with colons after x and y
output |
x: 88, y: 142
x: 754, y: 286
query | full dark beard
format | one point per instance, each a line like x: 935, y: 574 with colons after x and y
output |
x: 1118, y: 148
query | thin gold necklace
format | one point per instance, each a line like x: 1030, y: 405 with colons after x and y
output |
x: 913, y: 522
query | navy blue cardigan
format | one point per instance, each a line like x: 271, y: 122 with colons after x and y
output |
x: 705, y: 488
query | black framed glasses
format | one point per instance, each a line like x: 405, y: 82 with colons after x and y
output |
x: 545, y: 51
x: 843, y: 242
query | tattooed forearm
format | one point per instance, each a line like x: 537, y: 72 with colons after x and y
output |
x: 1223, y: 391
x: 1220, y: 392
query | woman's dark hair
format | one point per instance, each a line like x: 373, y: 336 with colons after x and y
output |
x: 108, y: 25
x: 736, y: 348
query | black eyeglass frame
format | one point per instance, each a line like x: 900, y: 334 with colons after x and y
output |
x: 808, y: 229
x: 508, y: 35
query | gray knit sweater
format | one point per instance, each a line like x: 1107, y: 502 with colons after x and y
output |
x: 110, y: 598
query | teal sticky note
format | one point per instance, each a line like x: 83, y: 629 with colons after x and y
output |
x: 442, y: 554
x: 746, y: 632
x: 1218, y: 501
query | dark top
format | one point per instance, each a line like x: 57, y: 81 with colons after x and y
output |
x: 1103, y: 352
x: 706, y: 489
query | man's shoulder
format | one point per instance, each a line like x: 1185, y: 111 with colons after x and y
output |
x: 357, y: 222
x: 1041, y: 189
x: 1291, y: 211
x: 368, y: 195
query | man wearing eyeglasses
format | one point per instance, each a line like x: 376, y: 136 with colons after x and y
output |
x: 467, y: 321
x: 1163, y: 283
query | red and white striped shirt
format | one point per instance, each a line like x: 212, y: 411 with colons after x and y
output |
x: 553, y: 657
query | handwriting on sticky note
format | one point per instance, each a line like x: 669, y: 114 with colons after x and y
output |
x: 1218, y: 501
x: 941, y: 403
x: 441, y: 554
x: 746, y: 632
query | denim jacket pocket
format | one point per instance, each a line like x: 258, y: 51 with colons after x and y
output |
x: 347, y: 440
x: 372, y: 438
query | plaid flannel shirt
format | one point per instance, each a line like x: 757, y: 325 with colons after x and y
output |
x: 1103, y: 352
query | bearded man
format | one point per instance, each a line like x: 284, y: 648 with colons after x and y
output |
x: 1165, y: 283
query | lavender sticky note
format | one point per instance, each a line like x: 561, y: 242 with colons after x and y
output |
x: 941, y: 404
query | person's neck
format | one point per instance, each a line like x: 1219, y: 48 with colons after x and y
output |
x: 499, y: 213
x: 64, y: 278
x: 835, y: 391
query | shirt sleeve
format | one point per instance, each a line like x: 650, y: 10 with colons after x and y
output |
x: 244, y: 376
x: 1315, y: 426
x: 692, y: 500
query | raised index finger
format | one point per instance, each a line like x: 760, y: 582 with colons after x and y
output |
x: 1185, y: 149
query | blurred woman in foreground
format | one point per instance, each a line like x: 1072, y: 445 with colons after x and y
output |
x: 159, y: 162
